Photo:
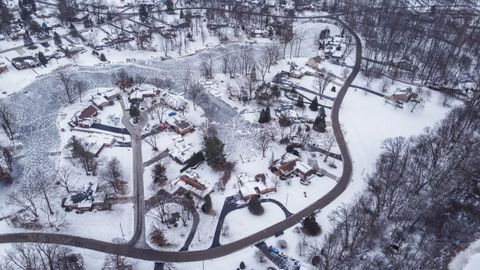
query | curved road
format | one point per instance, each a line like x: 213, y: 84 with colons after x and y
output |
x: 131, y: 250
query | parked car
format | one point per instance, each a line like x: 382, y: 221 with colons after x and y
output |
x: 305, y: 182
x: 273, y: 250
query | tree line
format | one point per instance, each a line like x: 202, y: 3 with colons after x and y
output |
x: 420, y: 206
x: 437, y: 45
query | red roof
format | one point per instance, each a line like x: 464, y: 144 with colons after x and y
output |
x: 193, y: 182
x: 88, y: 112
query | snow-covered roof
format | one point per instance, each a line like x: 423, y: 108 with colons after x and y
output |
x: 136, y: 95
x: 289, y: 157
x: 99, y: 101
x: 302, y: 167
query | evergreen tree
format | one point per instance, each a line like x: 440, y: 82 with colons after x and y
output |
x: 322, y: 113
x: 32, y: 5
x: 103, y: 58
x: 73, y: 30
x: 263, y: 117
x: 159, y: 174
x: 319, y: 125
x: 214, y: 153
x: 207, y: 205
x: 314, y: 105
x: 42, y: 59
x: 57, y: 39
x: 87, y: 22
x: 299, y: 102
x: 109, y: 16
x: 334, y: 89
x: 268, y: 116
x: 310, y: 226
x: 242, y: 265
x: 34, y: 26
x: 66, y: 11
x: 5, y: 15
x: 169, y: 4
x: 134, y: 111
x: 255, y: 206
x: 143, y: 12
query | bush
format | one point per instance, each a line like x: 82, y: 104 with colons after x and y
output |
x: 158, y: 174
x: 207, y: 205
x: 310, y: 226
x: 255, y: 206
x: 158, y: 238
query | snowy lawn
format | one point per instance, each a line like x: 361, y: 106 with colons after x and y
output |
x: 241, y: 223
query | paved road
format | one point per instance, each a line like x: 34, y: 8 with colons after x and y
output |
x: 135, y: 131
x: 231, y: 205
x: 131, y: 250
x: 158, y: 157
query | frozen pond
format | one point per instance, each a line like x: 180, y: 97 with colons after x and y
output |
x: 38, y: 106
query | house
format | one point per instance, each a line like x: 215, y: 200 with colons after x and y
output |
x: 148, y: 93
x: 284, y: 166
x: 95, y: 144
x: 174, y: 101
x: 85, y: 123
x: 402, y: 96
x: 3, y: 67
x: 100, y: 101
x: 89, y: 112
x: 136, y: 96
x: 25, y: 62
x: 315, y: 62
x: 87, y: 200
x: 111, y: 94
x: 181, y: 152
x: 259, y: 33
x: 288, y: 114
x: 303, y: 170
x: 251, y: 187
x: 74, y: 49
x: 181, y: 126
x: 191, y: 184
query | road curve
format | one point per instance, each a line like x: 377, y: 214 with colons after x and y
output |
x: 130, y: 250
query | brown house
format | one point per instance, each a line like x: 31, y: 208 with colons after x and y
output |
x: 88, y: 112
x: 193, y: 182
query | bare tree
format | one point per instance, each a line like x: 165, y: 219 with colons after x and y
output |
x: 265, y: 137
x: 197, y: 95
x: 122, y: 80
x: 152, y: 140
x: 25, y: 198
x: 206, y: 66
x: 7, y: 120
x: 328, y: 140
x: 186, y: 81
x: 79, y: 87
x: 44, y: 184
x: 66, y: 82
x: 42, y: 256
x: 113, y: 177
